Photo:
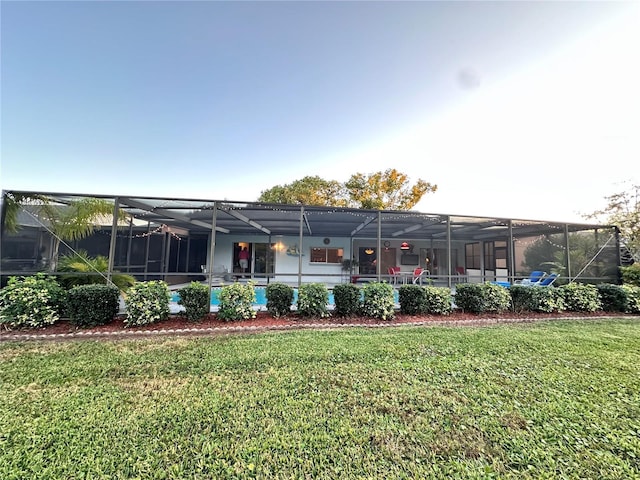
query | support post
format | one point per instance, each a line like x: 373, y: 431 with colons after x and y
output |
x: 212, y: 245
x: 147, y: 248
x: 511, y: 253
x: 566, y: 251
x: 378, y: 246
x: 129, y: 244
x: 114, y: 237
x: 449, y: 250
x: 301, y: 237
x: 618, y: 256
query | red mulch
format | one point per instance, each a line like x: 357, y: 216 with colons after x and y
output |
x: 264, y: 321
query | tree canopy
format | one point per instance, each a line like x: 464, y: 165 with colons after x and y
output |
x: 623, y: 210
x: 73, y: 221
x: 310, y: 190
x: 384, y: 190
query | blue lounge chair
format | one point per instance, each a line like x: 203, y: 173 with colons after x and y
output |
x: 548, y: 280
x: 534, y: 278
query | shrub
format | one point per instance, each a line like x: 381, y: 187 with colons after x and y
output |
x: 378, y: 301
x: 438, y: 300
x: 196, y: 300
x: 279, y: 299
x: 496, y: 297
x: 413, y: 300
x: 236, y: 302
x: 482, y: 297
x: 520, y: 298
x: 468, y: 297
x: 536, y: 299
x: 31, y: 302
x: 346, y: 297
x: 612, y: 297
x: 147, y: 302
x: 91, y: 305
x: 631, y: 274
x: 580, y: 297
x: 313, y: 299
x: 633, y: 298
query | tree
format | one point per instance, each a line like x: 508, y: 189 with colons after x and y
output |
x: 79, y: 264
x: 623, y: 210
x: 12, y: 204
x: 74, y: 220
x: 547, y: 253
x: 388, y: 190
x: 310, y: 190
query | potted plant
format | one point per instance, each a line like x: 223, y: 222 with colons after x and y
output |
x: 349, y: 264
x: 348, y: 267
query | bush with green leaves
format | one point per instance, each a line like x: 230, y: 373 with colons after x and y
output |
x: 468, y: 297
x: 196, y: 300
x: 378, y: 300
x: 91, y: 305
x: 31, y: 302
x: 631, y: 274
x: 279, y: 299
x: 536, y: 299
x: 147, y: 302
x: 347, y: 300
x: 482, y: 297
x: 312, y: 300
x: 82, y: 269
x: 413, y: 300
x: 612, y: 297
x: 633, y: 298
x: 438, y: 300
x: 581, y: 297
x: 236, y: 302
x: 497, y: 298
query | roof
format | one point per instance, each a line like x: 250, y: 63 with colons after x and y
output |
x: 197, y: 215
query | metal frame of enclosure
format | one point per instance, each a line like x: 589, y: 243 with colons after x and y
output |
x: 182, y: 240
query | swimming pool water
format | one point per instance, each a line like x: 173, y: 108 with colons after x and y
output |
x: 261, y: 296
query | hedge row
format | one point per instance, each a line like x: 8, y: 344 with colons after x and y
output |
x: 37, y: 301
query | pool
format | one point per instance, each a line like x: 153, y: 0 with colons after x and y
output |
x: 261, y: 296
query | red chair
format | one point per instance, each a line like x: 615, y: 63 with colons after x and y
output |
x: 417, y: 275
x: 394, y: 274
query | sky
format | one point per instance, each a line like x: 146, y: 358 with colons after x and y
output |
x: 527, y: 110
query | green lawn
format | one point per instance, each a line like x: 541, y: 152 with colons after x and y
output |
x: 546, y: 400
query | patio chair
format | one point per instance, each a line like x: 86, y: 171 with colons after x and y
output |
x: 545, y: 282
x: 394, y: 274
x: 462, y: 276
x: 548, y: 280
x: 534, y: 278
x: 417, y: 275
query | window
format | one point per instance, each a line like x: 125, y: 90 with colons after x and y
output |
x: 489, y: 256
x: 472, y: 254
x: 501, y: 254
x: 495, y: 255
x: 326, y: 255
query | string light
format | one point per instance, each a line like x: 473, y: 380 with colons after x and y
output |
x: 161, y: 229
x: 538, y: 239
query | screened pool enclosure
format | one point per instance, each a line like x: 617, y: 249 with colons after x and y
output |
x: 183, y: 240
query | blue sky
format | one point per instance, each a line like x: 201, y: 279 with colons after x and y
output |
x: 521, y: 109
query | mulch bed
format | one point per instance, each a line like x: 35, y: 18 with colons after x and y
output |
x: 177, y: 325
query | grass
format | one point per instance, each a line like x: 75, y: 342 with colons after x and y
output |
x: 548, y: 400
